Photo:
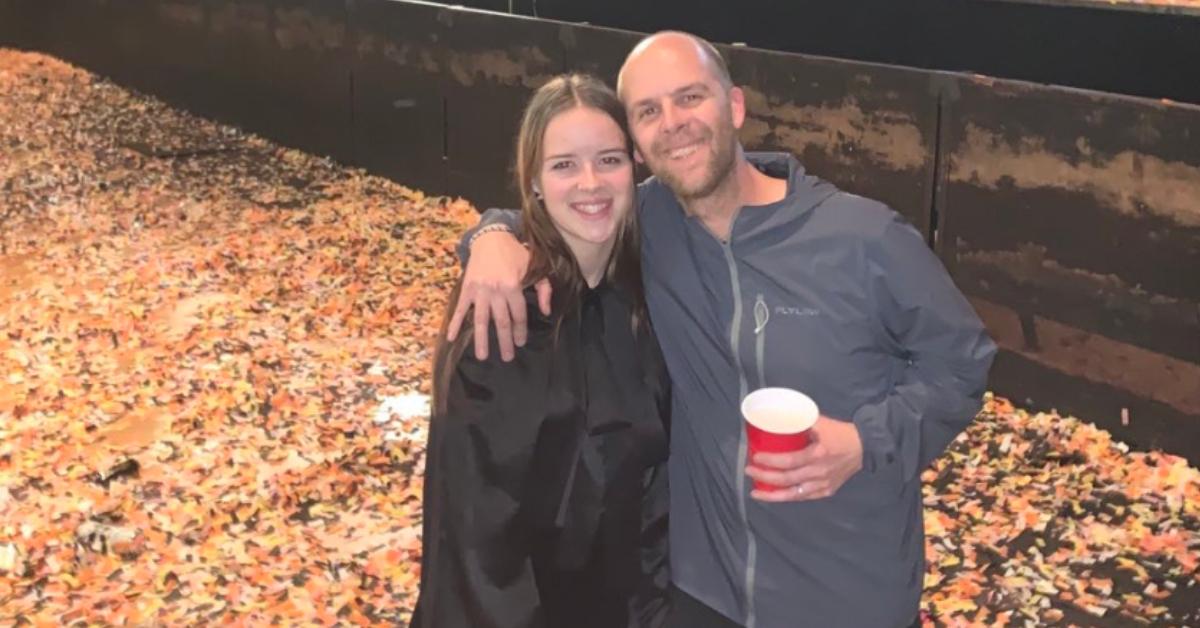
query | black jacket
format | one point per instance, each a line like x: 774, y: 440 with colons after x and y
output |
x: 546, y: 486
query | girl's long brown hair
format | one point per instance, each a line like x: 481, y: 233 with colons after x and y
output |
x: 550, y: 257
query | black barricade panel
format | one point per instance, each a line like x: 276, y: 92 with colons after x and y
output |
x: 1121, y: 46
x: 491, y: 65
x: 172, y: 56
x: 596, y: 51
x: 17, y: 28
x: 98, y: 35
x: 869, y: 129
x: 284, y: 70
x: 156, y: 47
x: 1072, y: 220
x: 599, y: 52
x: 399, y: 101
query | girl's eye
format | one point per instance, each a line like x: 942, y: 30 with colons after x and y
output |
x: 613, y: 160
x: 560, y: 165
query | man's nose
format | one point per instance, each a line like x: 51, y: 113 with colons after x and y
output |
x: 672, y: 118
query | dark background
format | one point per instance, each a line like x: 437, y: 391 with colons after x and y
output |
x: 1123, y: 48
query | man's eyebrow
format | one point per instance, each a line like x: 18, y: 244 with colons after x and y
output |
x: 643, y: 102
x: 698, y: 86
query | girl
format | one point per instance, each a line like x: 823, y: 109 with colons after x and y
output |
x: 546, y: 487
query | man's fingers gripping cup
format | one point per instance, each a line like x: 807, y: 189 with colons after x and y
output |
x: 778, y: 420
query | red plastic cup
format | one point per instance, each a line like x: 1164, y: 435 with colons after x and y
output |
x: 778, y: 420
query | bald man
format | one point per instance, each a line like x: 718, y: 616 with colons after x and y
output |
x: 758, y: 274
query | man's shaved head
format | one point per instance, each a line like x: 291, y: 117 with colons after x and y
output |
x: 678, y: 43
x: 684, y: 112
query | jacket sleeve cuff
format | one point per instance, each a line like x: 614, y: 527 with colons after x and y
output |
x: 879, y: 450
x: 491, y: 220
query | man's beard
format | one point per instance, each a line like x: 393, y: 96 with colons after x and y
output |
x: 716, y: 171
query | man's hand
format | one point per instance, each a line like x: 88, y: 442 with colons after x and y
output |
x: 492, y: 284
x: 815, y: 472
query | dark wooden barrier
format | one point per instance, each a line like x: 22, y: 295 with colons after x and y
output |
x: 398, y: 100
x: 72, y: 30
x: 16, y: 27
x: 1112, y: 46
x: 166, y: 52
x: 1072, y: 220
x: 286, y: 66
x: 277, y: 67
x: 439, y: 93
x: 870, y: 129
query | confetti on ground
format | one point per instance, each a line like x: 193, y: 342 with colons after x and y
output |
x: 198, y: 331
x: 1038, y: 519
x: 214, y: 367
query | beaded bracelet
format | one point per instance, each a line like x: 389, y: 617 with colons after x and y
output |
x: 492, y: 228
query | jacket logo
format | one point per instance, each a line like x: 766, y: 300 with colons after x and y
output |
x: 783, y: 310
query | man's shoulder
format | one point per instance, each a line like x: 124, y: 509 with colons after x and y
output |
x: 853, y: 215
x: 649, y: 184
x: 849, y: 206
x: 653, y: 190
x: 658, y: 209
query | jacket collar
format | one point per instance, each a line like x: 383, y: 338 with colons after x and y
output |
x: 804, y: 192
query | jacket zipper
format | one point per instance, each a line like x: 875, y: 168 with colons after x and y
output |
x: 740, y: 471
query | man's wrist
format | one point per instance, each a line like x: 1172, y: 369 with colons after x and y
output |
x: 495, y: 227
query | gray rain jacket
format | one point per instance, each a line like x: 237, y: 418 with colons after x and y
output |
x: 834, y: 295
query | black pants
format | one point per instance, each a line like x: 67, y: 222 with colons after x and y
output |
x: 688, y: 612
